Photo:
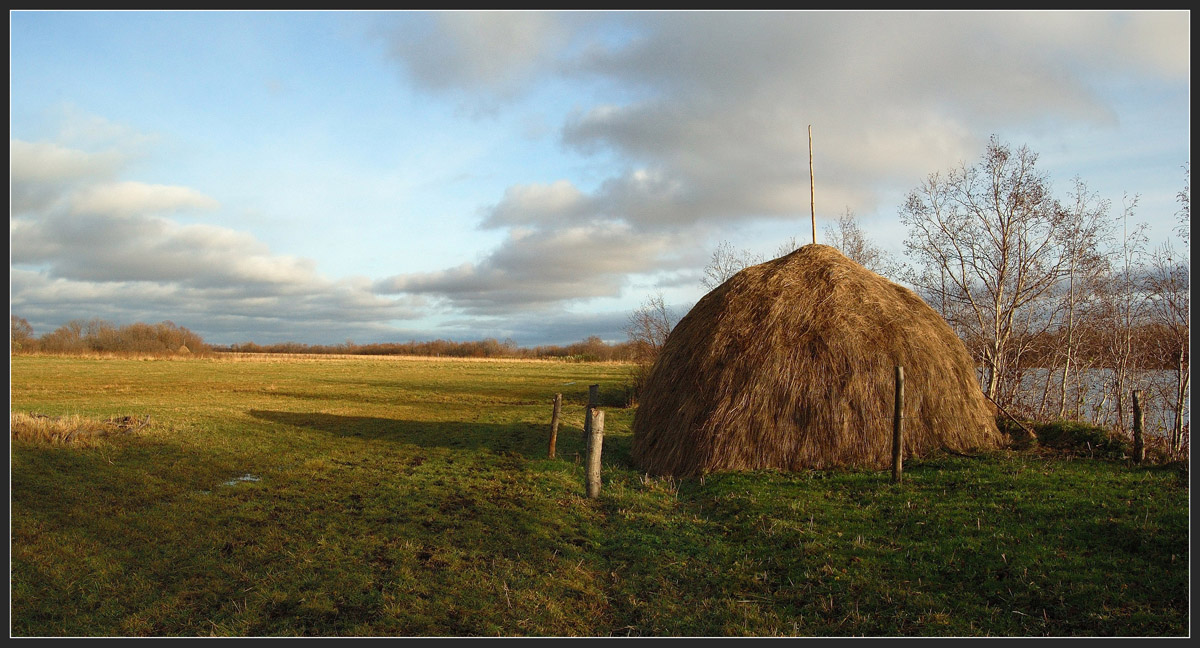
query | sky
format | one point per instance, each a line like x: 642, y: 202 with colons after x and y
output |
x: 325, y: 177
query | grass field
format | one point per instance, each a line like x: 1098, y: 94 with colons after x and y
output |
x: 403, y: 496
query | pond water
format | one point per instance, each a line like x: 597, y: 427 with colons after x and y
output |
x: 1091, y: 397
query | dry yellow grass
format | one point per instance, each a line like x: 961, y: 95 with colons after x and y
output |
x: 70, y: 429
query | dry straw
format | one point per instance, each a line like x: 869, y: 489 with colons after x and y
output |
x: 70, y: 429
x: 790, y: 365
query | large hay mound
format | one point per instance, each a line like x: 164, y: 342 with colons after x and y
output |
x: 790, y: 365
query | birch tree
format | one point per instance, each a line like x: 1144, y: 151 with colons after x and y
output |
x: 985, y: 246
x: 1125, y: 313
x: 1086, y: 235
x: 1169, y: 285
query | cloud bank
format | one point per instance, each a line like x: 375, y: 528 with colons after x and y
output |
x: 706, y: 115
x: 85, y: 241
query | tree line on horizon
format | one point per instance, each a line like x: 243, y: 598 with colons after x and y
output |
x: 79, y: 337
x: 590, y: 349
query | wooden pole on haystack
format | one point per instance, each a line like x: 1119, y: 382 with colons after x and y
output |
x: 812, y: 192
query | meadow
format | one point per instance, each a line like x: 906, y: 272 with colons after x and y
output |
x: 359, y: 496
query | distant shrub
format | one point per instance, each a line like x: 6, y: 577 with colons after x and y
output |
x: 20, y: 334
x: 99, y: 336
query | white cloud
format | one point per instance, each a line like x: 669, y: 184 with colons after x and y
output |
x: 532, y: 204
x: 96, y: 246
x: 49, y: 162
x: 1155, y: 43
x: 498, y: 52
x: 83, y: 130
x: 541, y: 268
x: 221, y: 315
x: 39, y: 172
x: 132, y: 198
x: 1161, y: 40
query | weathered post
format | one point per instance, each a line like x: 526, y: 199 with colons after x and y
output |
x: 554, y: 423
x: 593, y: 402
x: 1139, y: 443
x: 898, y: 429
x: 595, y: 443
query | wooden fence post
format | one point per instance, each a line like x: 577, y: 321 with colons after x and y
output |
x: 1139, y: 443
x: 554, y: 423
x: 595, y: 443
x: 898, y: 429
x: 593, y: 402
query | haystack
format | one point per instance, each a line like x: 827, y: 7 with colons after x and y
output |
x: 790, y: 365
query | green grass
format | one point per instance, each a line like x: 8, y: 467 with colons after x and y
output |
x: 414, y: 497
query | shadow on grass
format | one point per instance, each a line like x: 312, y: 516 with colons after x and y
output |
x: 147, y: 534
x: 525, y: 439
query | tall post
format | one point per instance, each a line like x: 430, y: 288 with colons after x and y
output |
x: 595, y: 443
x: 1139, y: 442
x: 554, y: 423
x: 898, y: 429
x: 593, y: 402
x: 812, y: 190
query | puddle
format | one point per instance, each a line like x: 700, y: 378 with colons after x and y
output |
x: 233, y: 482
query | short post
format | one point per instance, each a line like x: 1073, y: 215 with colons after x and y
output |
x: 898, y: 429
x: 593, y: 402
x: 554, y: 423
x: 1139, y: 443
x: 595, y: 442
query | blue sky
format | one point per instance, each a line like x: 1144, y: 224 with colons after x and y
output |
x: 374, y: 176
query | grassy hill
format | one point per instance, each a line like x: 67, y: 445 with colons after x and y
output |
x: 403, y: 496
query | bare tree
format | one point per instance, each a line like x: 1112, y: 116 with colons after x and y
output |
x: 648, y: 329
x: 1086, y: 232
x: 20, y: 335
x: 852, y: 241
x: 1124, y: 313
x: 1169, y: 287
x: 727, y: 261
x: 787, y: 247
x: 986, y: 247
